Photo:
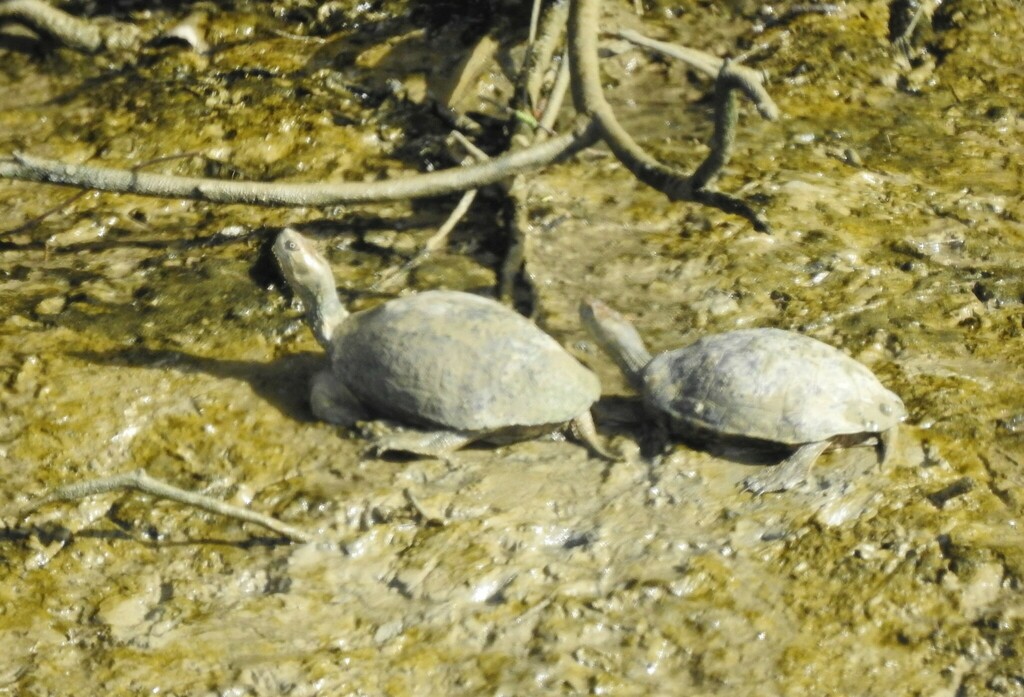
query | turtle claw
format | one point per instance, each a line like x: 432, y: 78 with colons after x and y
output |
x: 584, y: 431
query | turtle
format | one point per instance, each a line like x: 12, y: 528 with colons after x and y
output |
x: 764, y: 388
x: 455, y: 366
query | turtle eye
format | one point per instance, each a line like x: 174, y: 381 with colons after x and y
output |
x: 291, y: 246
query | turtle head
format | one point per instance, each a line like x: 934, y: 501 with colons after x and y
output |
x: 618, y: 338
x: 309, y: 276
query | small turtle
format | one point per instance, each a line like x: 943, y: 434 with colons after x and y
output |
x: 761, y: 387
x: 462, y: 367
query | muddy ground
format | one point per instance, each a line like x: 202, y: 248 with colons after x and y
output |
x: 150, y: 333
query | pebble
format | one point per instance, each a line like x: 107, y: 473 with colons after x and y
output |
x: 51, y: 306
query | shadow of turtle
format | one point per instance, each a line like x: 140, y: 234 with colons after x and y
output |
x: 282, y: 382
x: 626, y: 416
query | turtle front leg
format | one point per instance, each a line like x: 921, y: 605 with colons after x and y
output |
x: 788, y: 474
x: 332, y: 402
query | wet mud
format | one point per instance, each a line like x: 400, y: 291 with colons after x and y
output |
x: 141, y: 332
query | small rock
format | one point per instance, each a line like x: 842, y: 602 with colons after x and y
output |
x: 1011, y: 424
x: 982, y: 589
x: 51, y: 306
x: 84, y: 232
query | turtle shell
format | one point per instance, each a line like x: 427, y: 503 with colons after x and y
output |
x: 460, y: 361
x: 771, y: 385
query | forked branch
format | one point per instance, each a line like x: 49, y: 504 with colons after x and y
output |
x: 596, y: 122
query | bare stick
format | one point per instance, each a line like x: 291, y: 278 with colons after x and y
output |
x: 795, y: 11
x: 748, y: 80
x: 534, y: 20
x: 477, y: 154
x: 299, y: 194
x: 598, y: 122
x: 518, y: 254
x: 139, y: 480
x: 555, y: 99
x: 440, y: 238
x: 28, y: 224
x: 32, y: 222
x: 436, y: 242
x: 68, y: 30
x: 542, y: 50
x: 590, y: 99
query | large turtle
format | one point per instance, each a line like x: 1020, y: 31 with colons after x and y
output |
x: 461, y: 367
x: 763, y: 387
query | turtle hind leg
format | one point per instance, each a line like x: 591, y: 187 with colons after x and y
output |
x: 788, y: 474
x: 439, y: 444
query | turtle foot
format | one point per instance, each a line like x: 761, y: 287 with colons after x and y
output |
x: 439, y: 444
x: 788, y: 474
x: 772, y: 481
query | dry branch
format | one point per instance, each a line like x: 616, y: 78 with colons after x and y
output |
x: 68, y: 30
x: 139, y: 480
x: 590, y: 99
x: 750, y: 81
x: 597, y: 122
x: 298, y: 194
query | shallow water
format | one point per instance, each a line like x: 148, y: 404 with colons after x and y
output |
x: 141, y: 332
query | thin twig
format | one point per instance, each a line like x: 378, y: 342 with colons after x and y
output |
x: 534, y: 20
x: 140, y: 481
x: 598, y: 122
x: 32, y: 222
x: 725, y: 129
x: 514, y: 266
x: 589, y: 97
x: 555, y: 99
x: 436, y: 242
x: 541, y: 53
x: 440, y: 238
x: 473, y: 66
x: 470, y: 147
x: 795, y: 11
x: 35, y: 220
x: 518, y: 253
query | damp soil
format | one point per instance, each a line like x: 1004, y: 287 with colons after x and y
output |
x: 150, y: 333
